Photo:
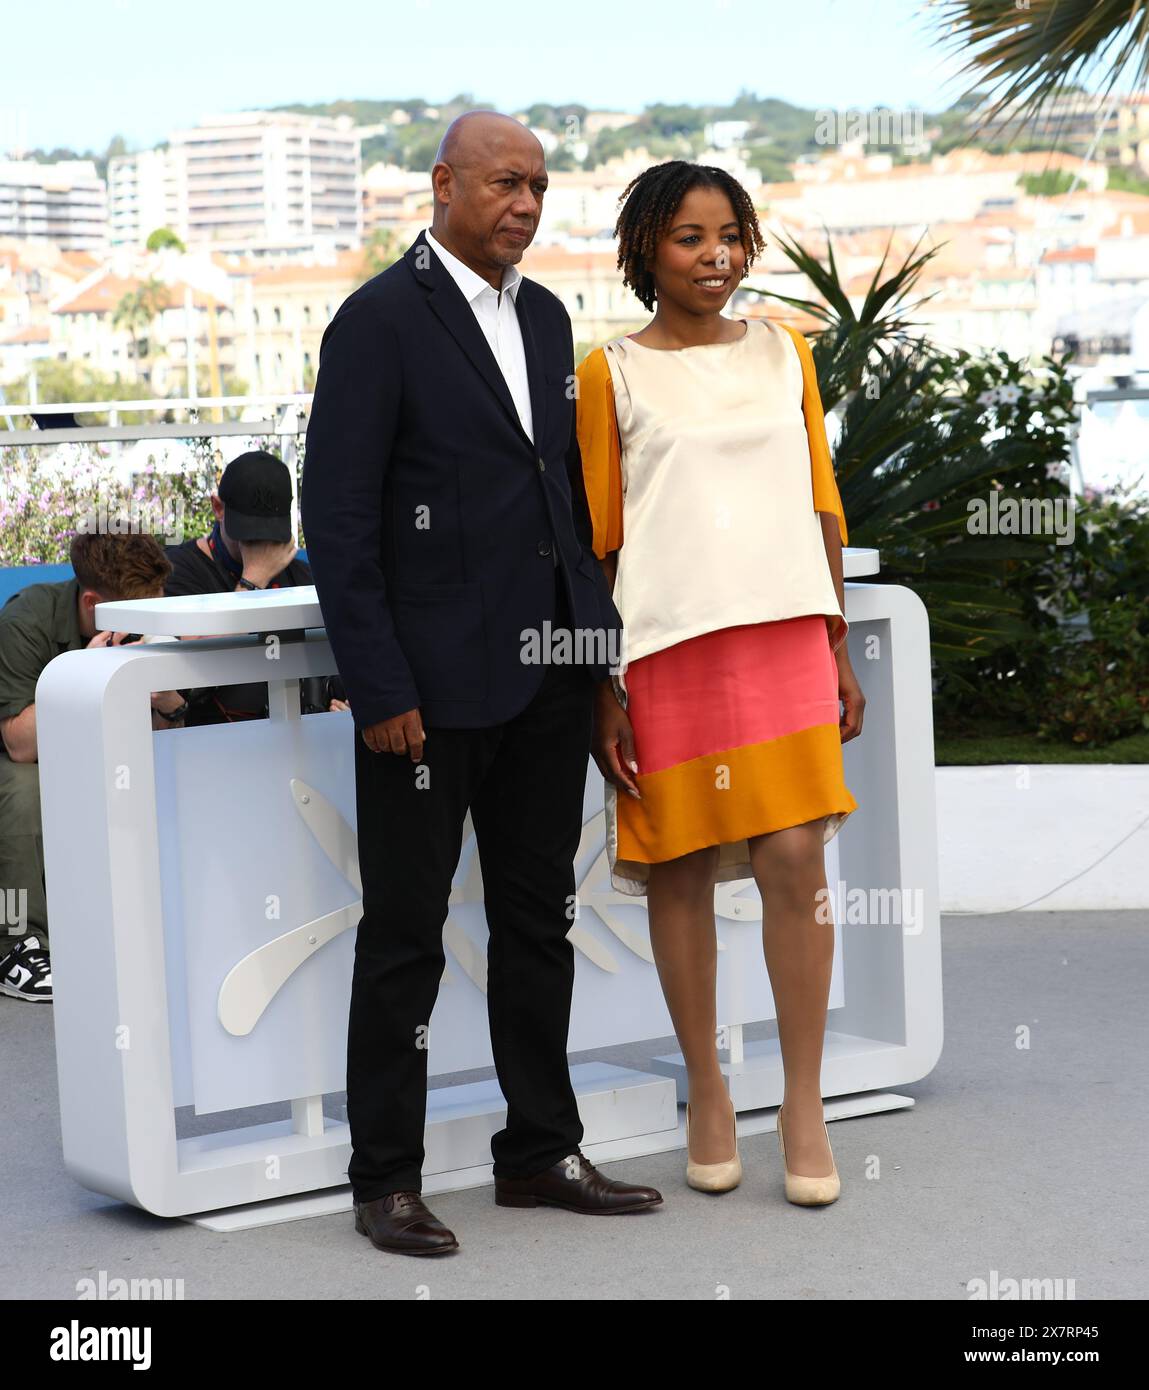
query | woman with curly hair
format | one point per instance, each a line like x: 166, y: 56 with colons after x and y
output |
x: 719, y: 525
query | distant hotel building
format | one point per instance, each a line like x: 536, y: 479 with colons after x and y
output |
x: 61, y: 203
x: 394, y: 197
x: 264, y: 182
x: 268, y: 181
x: 1069, y: 123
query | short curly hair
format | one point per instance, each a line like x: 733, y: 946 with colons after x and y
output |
x: 651, y: 200
x: 131, y: 565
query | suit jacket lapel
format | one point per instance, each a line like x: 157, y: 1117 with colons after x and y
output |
x: 448, y: 302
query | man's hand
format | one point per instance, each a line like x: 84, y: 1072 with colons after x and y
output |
x: 613, y: 742
x: 263, y: 560
x: 402, y: 733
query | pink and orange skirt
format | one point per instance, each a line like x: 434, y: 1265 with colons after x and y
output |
x: 736, y: 734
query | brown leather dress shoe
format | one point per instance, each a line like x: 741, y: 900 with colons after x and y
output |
x: 575, y: 1183
x: 400, y: 1222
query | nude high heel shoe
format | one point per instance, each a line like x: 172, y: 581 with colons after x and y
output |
x: 810, y: 1192
x: 713, y: 1177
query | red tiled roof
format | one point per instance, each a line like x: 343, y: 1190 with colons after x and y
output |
x: 105, y: 294
x: 100, y: 297
x: 347, y: 265
x: 30, y: 333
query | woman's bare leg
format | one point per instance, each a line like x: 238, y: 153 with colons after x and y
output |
x: 799, y: 949
x: 680, y: 904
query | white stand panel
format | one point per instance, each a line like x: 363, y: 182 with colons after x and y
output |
x: 176, y: 985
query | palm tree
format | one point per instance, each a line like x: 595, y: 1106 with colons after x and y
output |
x: 1029, y: 55
x: 137, y: 311
x: 381, y: 250
x: 853, y: 338
x: 923, y: 433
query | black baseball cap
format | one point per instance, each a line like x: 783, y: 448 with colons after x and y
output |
x: 256, y: 494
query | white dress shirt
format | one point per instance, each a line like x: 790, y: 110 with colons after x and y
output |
x: 496, y: 316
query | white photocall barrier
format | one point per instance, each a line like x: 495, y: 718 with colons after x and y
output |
x: 203, y: 895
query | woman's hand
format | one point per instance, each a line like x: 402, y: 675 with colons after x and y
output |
x: 850, y: 694
x: 613, y: 742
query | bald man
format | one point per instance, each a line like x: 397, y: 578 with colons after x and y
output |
x: 446, y: 522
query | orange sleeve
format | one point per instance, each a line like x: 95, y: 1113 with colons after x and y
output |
x: 599, y: 448
x: 826, y: 497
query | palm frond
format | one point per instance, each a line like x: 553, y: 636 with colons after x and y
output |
x: 1024, y: 57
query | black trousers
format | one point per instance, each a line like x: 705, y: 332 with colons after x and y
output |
x: 523, y: 782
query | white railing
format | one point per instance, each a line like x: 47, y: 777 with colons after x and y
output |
x: 282, y: 404
x: 285, y: 420
x: 289, y: 411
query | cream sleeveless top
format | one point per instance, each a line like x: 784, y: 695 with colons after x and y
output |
x: 719, y: 478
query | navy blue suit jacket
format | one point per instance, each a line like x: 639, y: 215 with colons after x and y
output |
x: 430, y: 516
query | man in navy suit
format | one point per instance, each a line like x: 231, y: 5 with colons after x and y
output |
x: 445, y: 516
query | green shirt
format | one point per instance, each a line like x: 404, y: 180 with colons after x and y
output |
x: 36, y: 625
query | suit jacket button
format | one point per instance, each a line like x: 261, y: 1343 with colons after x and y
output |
x: 544, y: 547
x: 542, y: 466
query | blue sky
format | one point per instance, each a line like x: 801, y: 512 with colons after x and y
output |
x: 141, y: 68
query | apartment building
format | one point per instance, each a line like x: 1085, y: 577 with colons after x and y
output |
x: 1076, y: 122
x: 86, y: 326
x: 394, y: 197
x: 590, y: 286
x: 280, y: 314
x: 32, y: 275
x: 580, y: 201
x: 850, y: 193
x: 146, y: 190
x: 271, y: 183
x: 63, y: 203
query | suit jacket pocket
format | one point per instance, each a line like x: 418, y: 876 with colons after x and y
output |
x: 443, y: 635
